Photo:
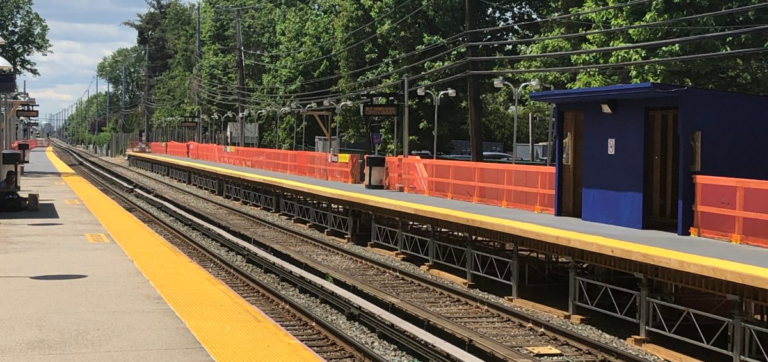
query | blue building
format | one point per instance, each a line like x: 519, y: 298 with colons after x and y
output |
x: 626, y: 154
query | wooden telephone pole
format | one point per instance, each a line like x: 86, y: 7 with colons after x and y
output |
x: 473, y: 84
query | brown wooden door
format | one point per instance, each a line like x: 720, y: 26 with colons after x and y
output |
x: 662, y: 174
x: 573, y: 135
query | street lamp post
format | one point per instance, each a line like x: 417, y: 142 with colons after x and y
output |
x: 436, y: 100
x: 277, y: 131
x: 304, y: 128
x: 535, y: 84
x: 338, y: 111
x: 258, y: 131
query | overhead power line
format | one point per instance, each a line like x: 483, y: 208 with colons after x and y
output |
x: 579, y: 68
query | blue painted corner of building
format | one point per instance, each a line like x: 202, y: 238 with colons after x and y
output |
x: 626, y: 154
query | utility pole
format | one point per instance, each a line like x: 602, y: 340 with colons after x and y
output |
x: 199, y: 130
x: 473, y: 84
x: 106, y: 112
x: 405, y: 118
x: 122, y: 101
x: 241, y: 78
x: 96, y: 128
x: 146, y: 96
x: 87, y: 108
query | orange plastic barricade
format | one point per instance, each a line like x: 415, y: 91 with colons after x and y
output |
x: 32, y: 144
x: 158, y: 148
x: 514, y: 186
x: 302, y: 163
x: 731, y: 209
x: 177, y: 149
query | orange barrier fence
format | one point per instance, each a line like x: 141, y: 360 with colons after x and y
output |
x: 158, y: 148
x: 523, y: 187
x: 731, y: 209
x: 32, y: 143
x: 303, y: 163
x: 177, y: 149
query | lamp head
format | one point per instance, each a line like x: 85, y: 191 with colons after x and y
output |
x: 421, y: 91
x: 327, y: 102
x: 498, y: 82
x: 295, y: 105
x: 312, y: 105
x: 348, y: 104
x: 451, y: 92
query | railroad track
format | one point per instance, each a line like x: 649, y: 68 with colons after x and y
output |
x: 321, y: 338
x: 389, y: 327
x: 492, y: 331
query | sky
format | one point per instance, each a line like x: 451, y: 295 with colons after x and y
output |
x: 81, y: 33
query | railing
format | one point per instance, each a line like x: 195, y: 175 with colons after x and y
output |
x: 667, y: 319
x: 609, y: 299
x: 756, y: 343
x: 731, y: 209
x: 523, y: 187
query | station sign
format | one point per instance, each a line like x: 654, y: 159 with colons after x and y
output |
x: 29, y: 113
x: 188, y: 124
x: 7, y: 83
x: 33, y: 124
x: 380, y: 110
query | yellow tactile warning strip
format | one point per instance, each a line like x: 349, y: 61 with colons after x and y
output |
x: 702, y: 265
x: 97, y: 238
x: 227, y: 326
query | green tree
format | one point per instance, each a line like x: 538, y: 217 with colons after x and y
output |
x: 25, y: 33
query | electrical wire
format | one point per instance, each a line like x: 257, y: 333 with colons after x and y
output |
x: 621, y: 64
x: 650, y: 44
x: 564, y: 16
x: 622, y: 28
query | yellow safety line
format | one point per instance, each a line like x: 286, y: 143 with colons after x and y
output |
x: 712, y: 267
x: 227, y: 326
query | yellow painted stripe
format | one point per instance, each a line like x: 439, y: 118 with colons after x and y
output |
x: 702, y: 265
x: 227, y: 326
x: 97, y: 238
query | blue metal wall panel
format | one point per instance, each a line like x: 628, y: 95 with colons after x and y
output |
x: 613, y: 184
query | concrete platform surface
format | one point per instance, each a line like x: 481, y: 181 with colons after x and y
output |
x: 68, y: 297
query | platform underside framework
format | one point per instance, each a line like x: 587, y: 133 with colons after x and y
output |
x: 719, y: 315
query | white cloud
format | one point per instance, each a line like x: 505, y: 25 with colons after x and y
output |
x: 88, y: 32
x: 82, y: 32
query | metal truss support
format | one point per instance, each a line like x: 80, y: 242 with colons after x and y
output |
x: 572, y: 287
x: 642, y: 303
x: 515, y: 270
x: 737, y: 337
x: 431, y: 246
x: 469, y: 260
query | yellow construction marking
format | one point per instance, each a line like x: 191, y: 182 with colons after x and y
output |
x: 72, y: 202
x: 97, y: 238
x: 702, y: 265
x: 227, y: 326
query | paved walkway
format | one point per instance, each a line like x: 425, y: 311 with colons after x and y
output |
x: 69, y: 293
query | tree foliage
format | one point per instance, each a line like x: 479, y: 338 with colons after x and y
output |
x: 25, y: 34
x: 314, y: 50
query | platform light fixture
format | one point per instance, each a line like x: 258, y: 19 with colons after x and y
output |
x: 608, y: 107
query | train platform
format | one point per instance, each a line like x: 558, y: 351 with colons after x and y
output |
x: 733, y: 263
x: 84, y: 280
